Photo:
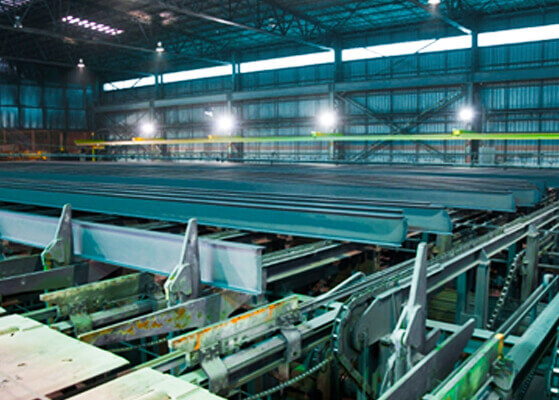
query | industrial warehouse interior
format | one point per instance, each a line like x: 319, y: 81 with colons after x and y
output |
x: 279, y: 199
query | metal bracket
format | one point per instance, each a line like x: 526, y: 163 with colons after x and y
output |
x: 82, y: 322
x: 60, y: 251
x: 184, y: 281
x: 218, y: 375
x: 414, y: 317
x: 409, y: 337
x: 294, y: 340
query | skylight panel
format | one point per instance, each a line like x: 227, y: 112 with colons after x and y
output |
x: 406, y: 48
x: 200, y: 73
x: 130, y: 83
x: 288, y: 62
x: 521, y: 35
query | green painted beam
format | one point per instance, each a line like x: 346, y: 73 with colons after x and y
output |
x: 318, y: 137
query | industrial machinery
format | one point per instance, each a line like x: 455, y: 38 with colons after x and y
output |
x: 183, y: 283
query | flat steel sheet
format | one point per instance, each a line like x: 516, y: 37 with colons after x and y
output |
x: 147, y: 384
x: 36, y: 360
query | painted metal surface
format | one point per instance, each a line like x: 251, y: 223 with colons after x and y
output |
x: 41, y: 280
x: 270, y: 193
x: 152, y: 251
x: 472, y: 374
x: 29, y: 349
x: 203, y: 203
x: 431, y: 369
x: 323, y: 138
x: 536, y: 336
x: 386, y: 227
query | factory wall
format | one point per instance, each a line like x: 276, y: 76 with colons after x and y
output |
x: 517, y: 104
x: 42, y: 117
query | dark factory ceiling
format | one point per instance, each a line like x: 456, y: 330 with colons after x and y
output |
x: 119, y: 38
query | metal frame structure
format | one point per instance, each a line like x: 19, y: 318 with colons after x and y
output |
x: 345, y: 326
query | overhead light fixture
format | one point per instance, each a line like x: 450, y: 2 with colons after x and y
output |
x: 225, y: 123
x: 327, y: 120
x: 81, y: 63
x: 17, y: 23
x: 434, y: 2
x: 208, y: 112
x: 466, y: 114
x: 159, y: 48
x: 91, y: 25
x: 148, y: 129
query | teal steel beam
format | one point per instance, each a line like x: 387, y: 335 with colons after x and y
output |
x: 274, y: 181
x: 421, y: 216
x: 389, y: 229
x: 226, y: 264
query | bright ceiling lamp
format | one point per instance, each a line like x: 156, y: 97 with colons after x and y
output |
x: 81, y: 64
x: 148, y: 129
x: 327, y: 120
x: 159, y: 48
x: 466, y: 114
x: 91, y: 25
x: 225, y: 123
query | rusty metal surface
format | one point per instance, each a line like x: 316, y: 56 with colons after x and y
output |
x: 191, y: 314
x: 147, y: 384
x: 233, y: 332
x: 36, y: 360
x: 93, y: 296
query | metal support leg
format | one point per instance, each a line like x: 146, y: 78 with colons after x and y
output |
x: 482, y: 291
x: 531, y: 269
x: 444, y: 243
x: 364, y: 370
x: 461, y: 296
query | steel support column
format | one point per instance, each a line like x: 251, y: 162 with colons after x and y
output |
x: 461, y: 296
x: 530, y: 278
x: 481, y: 304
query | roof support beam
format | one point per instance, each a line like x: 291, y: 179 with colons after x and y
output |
x: 436, y: 14
x: 66, y: 65
x: 64, y: 38
x: 169, y: 5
